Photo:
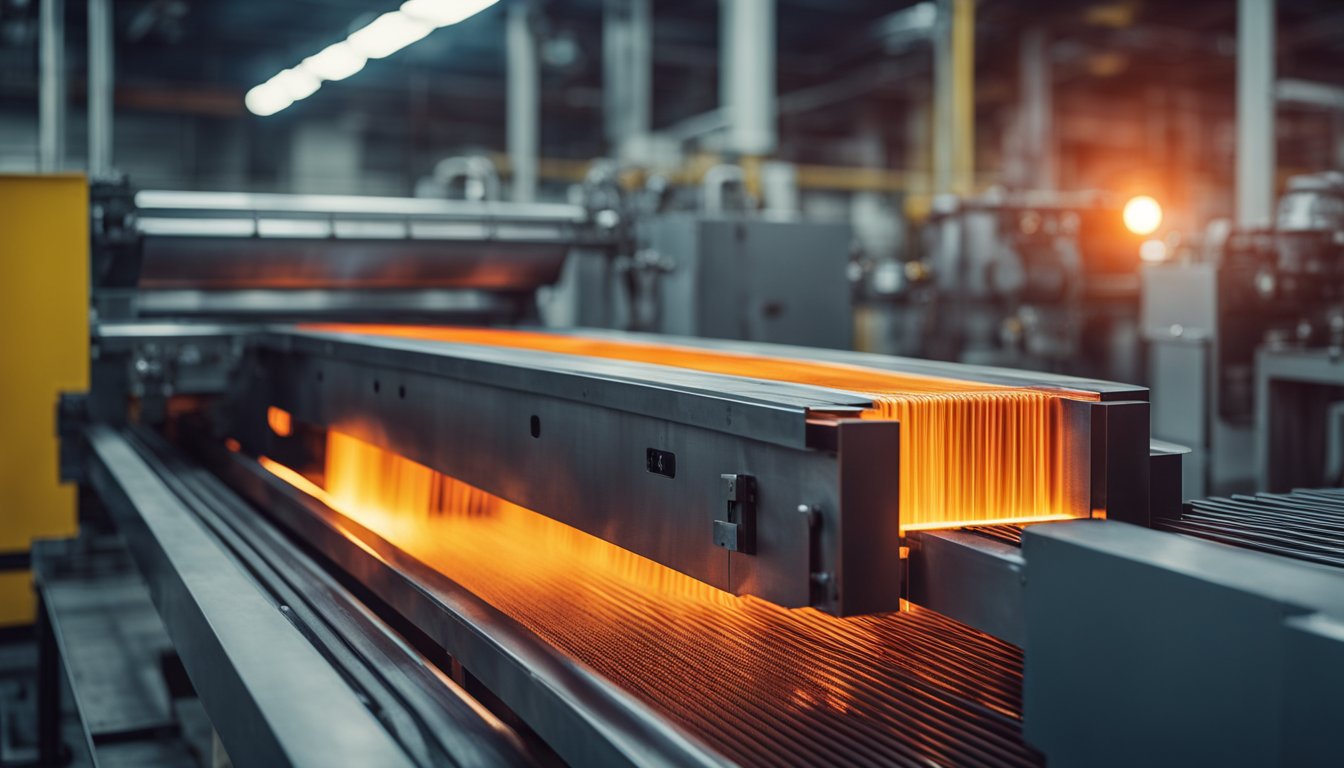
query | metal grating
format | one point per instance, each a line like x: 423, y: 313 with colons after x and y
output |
x: 1304, y: 524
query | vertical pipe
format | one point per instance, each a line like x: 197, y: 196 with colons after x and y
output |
x: 627, y: 73
x: 1255, y: 113
x: 747, y: 84
x: 100, y: 87
x: 51, y: 106
x: 954, y: 97
x: 1037, y: 109
x: 524, y: 110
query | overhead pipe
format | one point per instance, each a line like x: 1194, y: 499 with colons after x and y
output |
x: 100, y: 82
x: 524, y: 102
x: 51, y: 92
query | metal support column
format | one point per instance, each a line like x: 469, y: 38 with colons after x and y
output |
x: 954, y: 97
x: 747, y: 75
x: 1037, y: 109
x: 1255, y: 112
x: 627, y: 73
x: 51, y: 105
x: 524, y: 106
x: 100, y: 87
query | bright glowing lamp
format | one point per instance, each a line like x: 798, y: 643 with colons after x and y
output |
x: 443, y: 13
x: 1153, y: 251
x: 295, y: 83
x: 266, y: 99
x: 388, y: 34
x: 335, y: 62
x: 1142, y: 215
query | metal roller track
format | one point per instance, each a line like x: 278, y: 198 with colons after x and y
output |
x: 264, y: 634
x: 1304, y: 524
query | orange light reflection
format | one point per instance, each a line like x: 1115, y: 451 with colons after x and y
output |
x: 811, y: 686
x: 279, y: 421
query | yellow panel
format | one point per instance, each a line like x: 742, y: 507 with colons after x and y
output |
x: 44, y: 343
x: 18, y: 603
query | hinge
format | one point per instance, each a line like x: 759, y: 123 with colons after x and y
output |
x: 736, y: 530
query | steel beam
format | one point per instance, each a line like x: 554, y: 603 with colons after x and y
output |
x: 971, y: 578
x: 587, y: 461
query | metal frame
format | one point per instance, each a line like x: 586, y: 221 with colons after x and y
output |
x: 254, y: 671
x: 1280, y: 414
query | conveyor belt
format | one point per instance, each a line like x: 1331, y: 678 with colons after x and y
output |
x: 760, y: 684
x: 1304, y: 524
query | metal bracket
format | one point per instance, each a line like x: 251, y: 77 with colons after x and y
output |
x: 737, y: 533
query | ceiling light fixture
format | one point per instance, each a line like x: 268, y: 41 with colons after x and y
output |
x: 380, y: 38
x: 335, y: 62
x: 388, y: 34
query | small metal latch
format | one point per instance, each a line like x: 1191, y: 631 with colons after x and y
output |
x: 737, y: 531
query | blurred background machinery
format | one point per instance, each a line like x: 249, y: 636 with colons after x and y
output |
x: 1230, y: 327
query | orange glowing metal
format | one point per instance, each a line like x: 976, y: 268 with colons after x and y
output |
x: 970, y: 452
x: 279, y: 421
x: 641, y: 625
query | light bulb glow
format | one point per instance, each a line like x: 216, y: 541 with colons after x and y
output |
x: 388, y: 34
x: 335, y: 62
x: 295, y: 83
x: 266, y: 99
x: 1153, y: 251
x: 381, y: 37
x: 1142, y: 215
x: 443, y: 13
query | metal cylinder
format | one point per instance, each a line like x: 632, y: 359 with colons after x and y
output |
x: 1255, y: 113
x: 747, y: 75
x: 51, y: 104
x: 524, y: 102
x: 100, y: 87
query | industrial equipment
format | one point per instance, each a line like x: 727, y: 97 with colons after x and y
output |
x: 1047, y: 281
x: 472, y: 545
x: 1276, y: 293
x: 752, y: 279
x: 715, y: 270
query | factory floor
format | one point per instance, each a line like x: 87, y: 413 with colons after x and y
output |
x: 133, y: 705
